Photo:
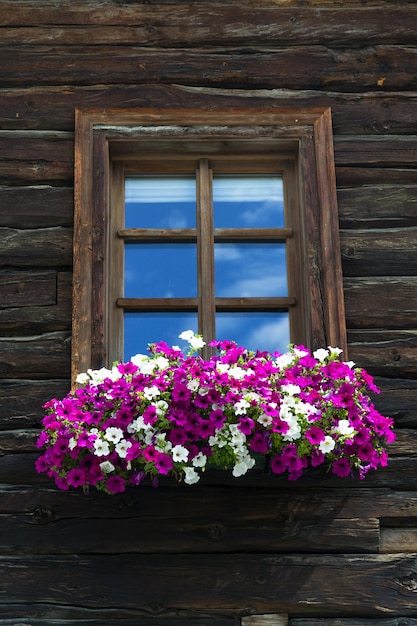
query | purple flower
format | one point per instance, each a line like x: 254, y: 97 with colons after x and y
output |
x: 341, y: 467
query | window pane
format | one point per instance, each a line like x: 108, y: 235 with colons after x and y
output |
x: 255, y: 331
x: 160, y: 270
x: 160, y: 202
x: 250, y: 270
x: 248, y: 201
x: 141, y: 329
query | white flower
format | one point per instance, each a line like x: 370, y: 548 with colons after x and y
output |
x: 107, y: 467
x: 327, y: 444
x: 197, y: 343
x: 299, y: 352
x: 239, y: 469
x: 151, y: 392
x: 82, y: 379
x: 199, y: 460
x: 203, y: 391
x: 72, y: 443
x: 162, y: 362
x: 321, y: 354
x: 222, y: 367
x: 335, y: 351
x: 193, y: 384
x: 237, y: 372
x: 264, y: 419
x: 241, y: 407
x: 186, y: 335
x: 191, y: 476
x: 98, y: 376
x: 284, y: 360
x: 161, y: 407
x: 350, y: 364
x: 113, y: 434
x: 291, y: 389
x: 180, y: 454
x: 101, y: 448
x: 122, y: 447
x: 344, y: 428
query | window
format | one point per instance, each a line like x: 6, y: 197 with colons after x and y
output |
x: 224, y: 222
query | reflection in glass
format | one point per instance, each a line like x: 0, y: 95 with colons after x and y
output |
x: 154, y: 270
x: 248, y: 201
x: 160, y: 202
x: 255, y: 331
x: 141, y: 329
x: 250, y: 270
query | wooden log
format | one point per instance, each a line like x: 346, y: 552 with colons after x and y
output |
x: 398, y: 540
x: 361, y: 621
x: 42, y: 247
x: 383, y: 355
x: 387, y: 151
x: 21, y: 401
x: 380, y: 252
x: 40, y: 206
x: 38, y: 357
x: 378, y: 585
x: 303, y: 67
x: 378, y: 206
x: 190, y: 25
x: 368, y: 113
x: 397, y: 399
x: 356, y: 176
x: 48, y: 304
x: 370, y: 303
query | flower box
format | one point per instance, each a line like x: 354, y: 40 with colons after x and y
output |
x: 170, y: 413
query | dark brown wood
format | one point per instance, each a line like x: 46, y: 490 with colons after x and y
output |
x: 292, y: 583
x: 228, y: 552
x: 370, y: 302
x: 48, y: 247
x: 334, y: 69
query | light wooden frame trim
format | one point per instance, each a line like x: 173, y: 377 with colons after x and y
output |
x: 104, y: 136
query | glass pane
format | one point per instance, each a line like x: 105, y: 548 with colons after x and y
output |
x: 250, y: 270
x: 160, y: 270
x: 255, y: 331
x: 160, y: 202
x: 248, y: 201
x: 141, y: 329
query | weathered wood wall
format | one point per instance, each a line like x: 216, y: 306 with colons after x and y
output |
x: 320, y: 552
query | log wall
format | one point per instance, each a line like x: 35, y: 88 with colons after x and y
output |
x: 257, y: 551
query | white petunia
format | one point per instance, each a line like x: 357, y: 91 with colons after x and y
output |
x: 101, y: 448
x: 82, y: 379
x: 321, y: 354
x: 122, y: 447
x: 186, y: 335
x: 199, y: 460
x: 113, y: 434
x: 180, y: 454
x: 107, y: 467
x: 241, y: 407
x: 151, y: 392
x: 344, y: 428
x: 191, y: 476
x: 327, y: 444
x: 72, y: 443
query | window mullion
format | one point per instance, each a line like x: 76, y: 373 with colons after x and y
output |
x: 205, y: 251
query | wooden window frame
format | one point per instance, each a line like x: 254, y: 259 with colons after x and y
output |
x: 106, y: 141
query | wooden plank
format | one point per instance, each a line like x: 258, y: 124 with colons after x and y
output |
x: 189, y: 25
x: 355, y: 176
x: 37, y: 317
x: 40, y: 206
x: 378, y: 206
x: 397, y: 399
x: 376, y: 585
x: 361, y: 621
x: 265, y: 620
x: 398, y: 540
x: 185, y: 531
x: 383, y: 355
x: 42, y: 247
x: 390, y: 151
x: 370, y: 302
x: 379, y: 252
x: 36, y: 156
x: 368, y: 113
x: 25, y: 289
x: 21, y: 401
x: 301, y: 67
x: 38, y: 357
